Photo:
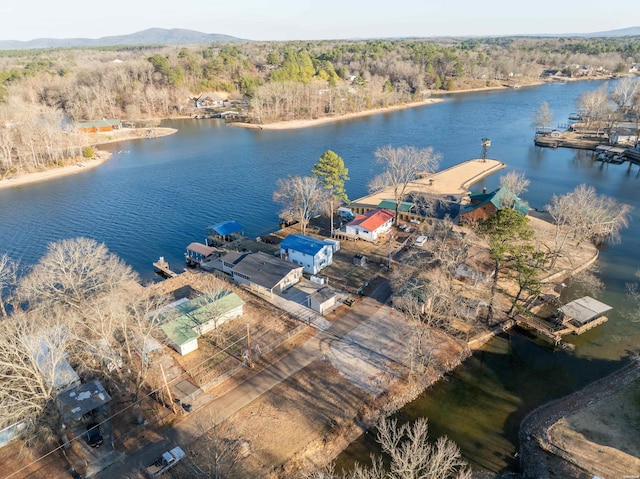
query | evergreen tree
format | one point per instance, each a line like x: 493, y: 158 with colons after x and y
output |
x: 332, y: 173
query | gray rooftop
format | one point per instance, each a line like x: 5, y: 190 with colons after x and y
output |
x: 75, y: 402
x: 585, y: 309
x: 263, y: 269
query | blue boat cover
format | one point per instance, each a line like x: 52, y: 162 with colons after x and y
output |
x: 227, y: 227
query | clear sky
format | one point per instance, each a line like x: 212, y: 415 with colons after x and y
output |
x: 317, y: 19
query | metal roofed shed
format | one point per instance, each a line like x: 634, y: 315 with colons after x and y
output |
x: 584, y: 310
x: 390, y: 205
x: 80, y: 400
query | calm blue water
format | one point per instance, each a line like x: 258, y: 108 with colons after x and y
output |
x: 156, y: 196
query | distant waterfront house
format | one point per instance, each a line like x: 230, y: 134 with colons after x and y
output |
x: 185, y: 321
x: 311, y: 253
x: 623, y: 136
x: 370, y: 225
x: 209, y: 100
x: 262, y: 273
x: 484, y: 205
x: 99, y: 126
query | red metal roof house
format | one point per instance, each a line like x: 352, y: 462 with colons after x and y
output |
x: 371, y: 224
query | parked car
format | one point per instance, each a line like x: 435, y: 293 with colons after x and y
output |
x: 420, y: 240
x: 165, y: 462
x: 93, y: 436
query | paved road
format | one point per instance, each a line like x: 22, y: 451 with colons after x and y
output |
x: 188, y: 429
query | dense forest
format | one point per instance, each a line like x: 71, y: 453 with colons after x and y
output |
x: 44, y: 93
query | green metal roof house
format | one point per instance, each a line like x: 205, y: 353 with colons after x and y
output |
x: 405, y: 206
x: 185, y: 321
x: 485, y: 205
x: 99, y: 125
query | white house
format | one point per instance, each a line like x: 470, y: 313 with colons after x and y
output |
x: 311, y: 253
x: 370, y: 225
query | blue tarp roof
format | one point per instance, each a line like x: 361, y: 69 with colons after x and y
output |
x: 226, y: 228
x: 303, y: 244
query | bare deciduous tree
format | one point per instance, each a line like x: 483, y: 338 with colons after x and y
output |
x: 8, y: 278
x: 301, y: 198
x: 587, y: 216
x: 72, y: 272
x: 33, y: 369
x: 402, y: 165
x: 595, y: 108
x: 515, y: 182
x: 411, y: 455
x: 542, y: 117
x: 623, y: 94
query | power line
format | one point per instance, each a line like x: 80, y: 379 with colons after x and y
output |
x: 75, y: 438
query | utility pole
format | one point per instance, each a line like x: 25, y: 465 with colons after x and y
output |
x: 166, y: 385
x: 249, y: 347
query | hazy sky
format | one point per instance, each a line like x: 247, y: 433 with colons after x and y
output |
x: 319, y: 19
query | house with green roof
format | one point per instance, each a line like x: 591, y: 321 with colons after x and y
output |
x: 103, y: 125
x: 403, y: 207
x: 484, y: 205
x: 184, y: 321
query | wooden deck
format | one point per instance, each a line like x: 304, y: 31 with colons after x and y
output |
x: 161, y: 267
x: 555, y: 333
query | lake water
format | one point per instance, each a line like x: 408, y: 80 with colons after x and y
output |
x: 156, y: 196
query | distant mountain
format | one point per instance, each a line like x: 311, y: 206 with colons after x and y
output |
x: 151, y: 36
x: 622, y: 32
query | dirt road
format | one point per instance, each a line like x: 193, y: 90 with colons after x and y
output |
x: 189, y: 429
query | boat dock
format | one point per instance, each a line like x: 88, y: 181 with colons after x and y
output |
x: 161, y: 267
x: 576, y: 317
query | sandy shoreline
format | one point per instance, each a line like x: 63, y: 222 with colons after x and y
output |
x: 295, y: 124
x: 59, y: 172
x: 86, y: 164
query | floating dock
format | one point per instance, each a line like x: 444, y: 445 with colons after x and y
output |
x: 161, y: 267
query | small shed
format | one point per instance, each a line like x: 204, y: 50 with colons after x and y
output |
x: 80, y: 400
x: 322, y: 300
x: 360, y: 260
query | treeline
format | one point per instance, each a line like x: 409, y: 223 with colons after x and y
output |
x: 53, y: 89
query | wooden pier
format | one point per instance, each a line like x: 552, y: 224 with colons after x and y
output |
x: 577, y: 317
x: 161, y: 267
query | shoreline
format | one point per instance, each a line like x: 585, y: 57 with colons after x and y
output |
x: 84, y: 164
x: 57, y: 172
x: 297, y: 124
